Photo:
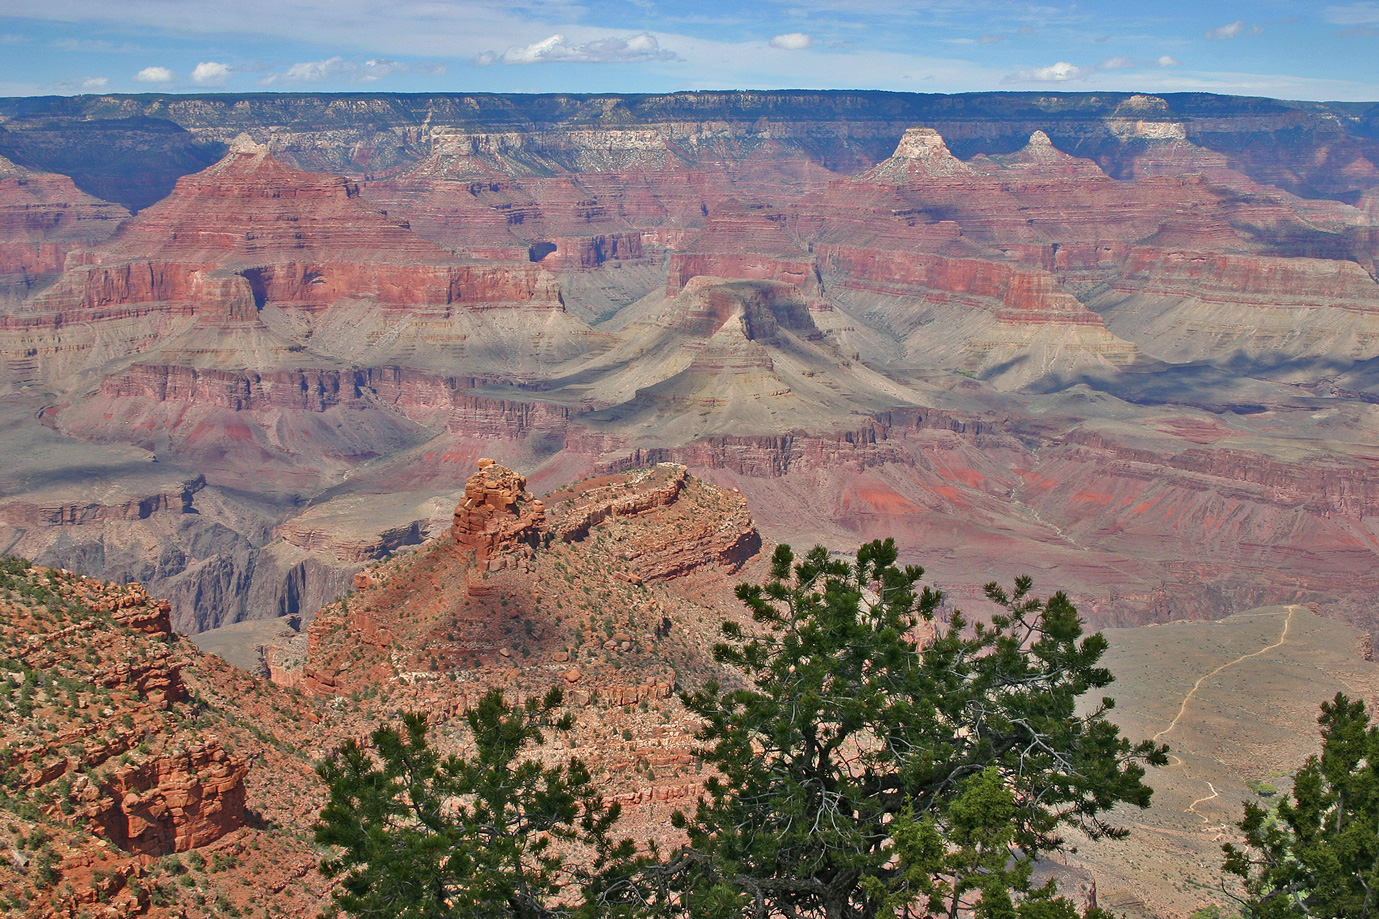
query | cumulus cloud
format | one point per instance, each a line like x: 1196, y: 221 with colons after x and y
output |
x: 1063, y: 72
x: 1232, y: 30
x: 792, y: 41
x: 210, y: 73
x: 1054, y: 73
x: 155, y: 75
x: 558, y: 49
x: 94, y: 84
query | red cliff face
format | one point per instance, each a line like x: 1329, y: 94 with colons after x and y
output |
x: 250, y: 208
x: 44, y: 216
x: 250, y: 230
x: 172, y: 803
x: 743, y: 241
x: 1014, y: 293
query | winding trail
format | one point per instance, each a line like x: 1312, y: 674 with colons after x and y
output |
x: 1192, y: 808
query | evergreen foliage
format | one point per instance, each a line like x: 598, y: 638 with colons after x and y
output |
x: 421, y: 837
x: 1317, y: 855
x: 862, y: 774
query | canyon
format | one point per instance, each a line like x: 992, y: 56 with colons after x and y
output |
x: 1124, y: 343
x: 391, y: 400
x: 145, y: 777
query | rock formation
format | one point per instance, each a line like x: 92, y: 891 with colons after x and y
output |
x: 142, y: 778
x: 43, y: 216
x: 497, y: 516
x: 187, y: 794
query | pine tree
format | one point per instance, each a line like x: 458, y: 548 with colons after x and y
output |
x: 418, y: 836
x: 1318, y: 854
x: 863, y: 775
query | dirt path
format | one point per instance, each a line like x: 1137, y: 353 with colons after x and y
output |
x: 1192, y: 808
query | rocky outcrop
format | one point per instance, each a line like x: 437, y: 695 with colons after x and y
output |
x: 508, y: 560
x: 122, y: 745
x: 143, y: 781
x: 171, y: 803
x: 497, y: 516
x: 712, y: 529
x: 635, y: 495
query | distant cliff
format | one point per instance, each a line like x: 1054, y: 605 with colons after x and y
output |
x: 130, y: 149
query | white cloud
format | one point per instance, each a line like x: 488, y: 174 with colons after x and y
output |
x: 792, y: 41
x: 557, y: 49
x: 1061, y: 72
x: 377, y: 68
x: 1232, y: 30
x: 333, y: 68
x: 1131, y: 63
x: 155, y: 75
x: 210, y: 73
x: 340, y: 69
x: 94, y: 83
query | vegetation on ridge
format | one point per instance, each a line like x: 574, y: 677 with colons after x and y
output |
x: 860, y: 771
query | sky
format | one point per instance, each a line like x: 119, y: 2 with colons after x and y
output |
x: 1284, y: 49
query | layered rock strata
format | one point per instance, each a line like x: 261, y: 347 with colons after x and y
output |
x: 169, y: 790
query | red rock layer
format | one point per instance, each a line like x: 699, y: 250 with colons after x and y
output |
x: 497, y: 516
x: 250, y: 230
x: 1248, y: 280
x: 1014, y: 293
x: 743, y: 241
x: 173, y: 803
x: 44, y: 216
x: 250, y: 208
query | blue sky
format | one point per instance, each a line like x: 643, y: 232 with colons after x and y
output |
x: 1284, y: 49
